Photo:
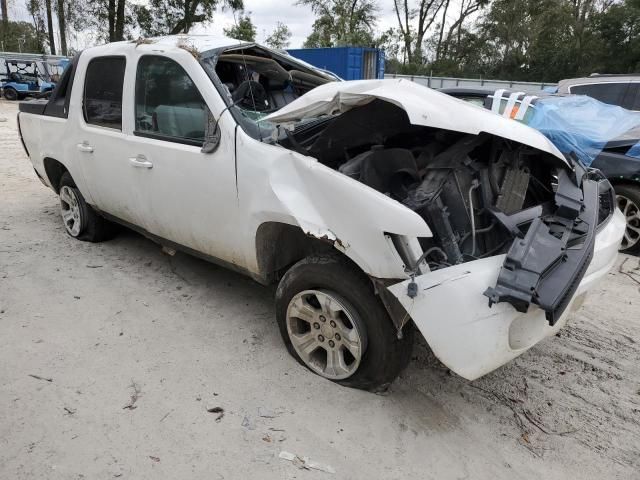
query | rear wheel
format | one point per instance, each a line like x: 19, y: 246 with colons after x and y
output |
x: 628, y: 200
x: 333, y: 323
x: 79, y: 219
x: 10, y: 94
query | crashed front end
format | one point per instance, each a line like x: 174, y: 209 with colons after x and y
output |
x: 518, y: 233
x: 480, y: 314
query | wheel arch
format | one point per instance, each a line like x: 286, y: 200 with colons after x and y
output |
x: 279, y: 245
x: 54, y: 171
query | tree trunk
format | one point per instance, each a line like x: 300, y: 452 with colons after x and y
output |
x: 119, y: 29
x: 52, y: 43
x: 63, y: 27
x: 187, y: 17
x: 111, y: 14
x: 441, y: 33
x: 5, y: 14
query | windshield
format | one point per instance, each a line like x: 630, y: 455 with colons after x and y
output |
x: 255, y: 81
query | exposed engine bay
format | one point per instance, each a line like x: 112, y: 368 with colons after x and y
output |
x: 477, y: 193
x: 481, y: 193
x: 456, y: 182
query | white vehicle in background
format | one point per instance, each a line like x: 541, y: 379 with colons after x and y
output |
x: 378, y: 206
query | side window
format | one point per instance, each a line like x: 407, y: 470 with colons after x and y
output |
x: 168, y: 103
x: 632, y: 100
x: 102, y: 102
x: 609, y: 92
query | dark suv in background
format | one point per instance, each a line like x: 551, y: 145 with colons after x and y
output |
x: 621, y: 90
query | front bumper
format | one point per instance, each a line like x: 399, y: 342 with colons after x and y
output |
x: 472, y: 338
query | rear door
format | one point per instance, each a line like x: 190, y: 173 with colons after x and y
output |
x: 101, y: 145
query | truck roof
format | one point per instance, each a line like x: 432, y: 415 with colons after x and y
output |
x: 200, y: 43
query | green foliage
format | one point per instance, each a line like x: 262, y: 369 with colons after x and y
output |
x: 341, y: 23
x: 164, y: 17
x: 244, y: 29
x: 279, y: 39
x: 21, y: 37
x: 544, y: 40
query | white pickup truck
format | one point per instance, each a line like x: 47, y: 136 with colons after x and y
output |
x: 379, y: 206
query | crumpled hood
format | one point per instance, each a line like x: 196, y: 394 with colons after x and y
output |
x: 423, y: 105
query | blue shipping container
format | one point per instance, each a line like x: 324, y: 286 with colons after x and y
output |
x: 349, y: 63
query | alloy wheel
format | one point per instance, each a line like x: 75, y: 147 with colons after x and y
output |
x: 326, y: 332
x: 70, y: 209
x: 631, y: 213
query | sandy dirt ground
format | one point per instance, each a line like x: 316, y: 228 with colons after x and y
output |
x: 111, y: 354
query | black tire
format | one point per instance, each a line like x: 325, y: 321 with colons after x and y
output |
x: 632, y: 194
x: 385, y: 355
x: 93, y: 227
x: 10, y: 94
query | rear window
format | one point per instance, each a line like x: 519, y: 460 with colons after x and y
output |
x: 632, y: 100
x: 102, y: 103
x: 609, y: 92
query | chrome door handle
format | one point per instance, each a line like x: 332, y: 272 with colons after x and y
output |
x: 84, y: 147
x: 140, y: 161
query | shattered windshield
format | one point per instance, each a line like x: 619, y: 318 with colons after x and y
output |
x: 256, y: 82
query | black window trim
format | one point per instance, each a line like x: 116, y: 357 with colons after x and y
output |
x: 161, y: 136
x: 84, y: 89
x: 169, y: 138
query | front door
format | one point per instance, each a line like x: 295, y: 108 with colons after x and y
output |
x: 189, y: 196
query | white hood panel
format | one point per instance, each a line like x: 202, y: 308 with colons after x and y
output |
x: 423, y: 105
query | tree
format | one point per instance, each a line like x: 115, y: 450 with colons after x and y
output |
x: 162, y: 17
x: 467, y: 8
x: 105, y: 20
x: 20, y: 37
x: 425, y: 15
x: 116, y: 15
x: 5, y: 14
x: 52, y: 42
x: 280, y: 37
x: 618, y: 30
x: 34, y: 7
x: 244, y: 29
x: 62, y: 26
x: 341, y: 22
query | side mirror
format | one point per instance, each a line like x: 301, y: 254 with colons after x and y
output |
x: 212, y: 134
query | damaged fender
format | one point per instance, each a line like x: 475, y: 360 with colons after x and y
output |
x: 317, y: 196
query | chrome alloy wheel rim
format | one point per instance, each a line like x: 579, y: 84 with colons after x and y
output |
x: 631, y: 213
x: 326, y: 333
x: 70, y: 209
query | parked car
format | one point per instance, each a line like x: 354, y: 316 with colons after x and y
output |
x: 620, y: 90
x: 376, y: 205
x: 22, y: 78
x: 618, y: 157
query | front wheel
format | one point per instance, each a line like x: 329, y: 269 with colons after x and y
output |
x: 628, y: 199
x: 333, y: 323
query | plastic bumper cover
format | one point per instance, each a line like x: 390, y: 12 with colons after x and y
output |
x: 472, y: 338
